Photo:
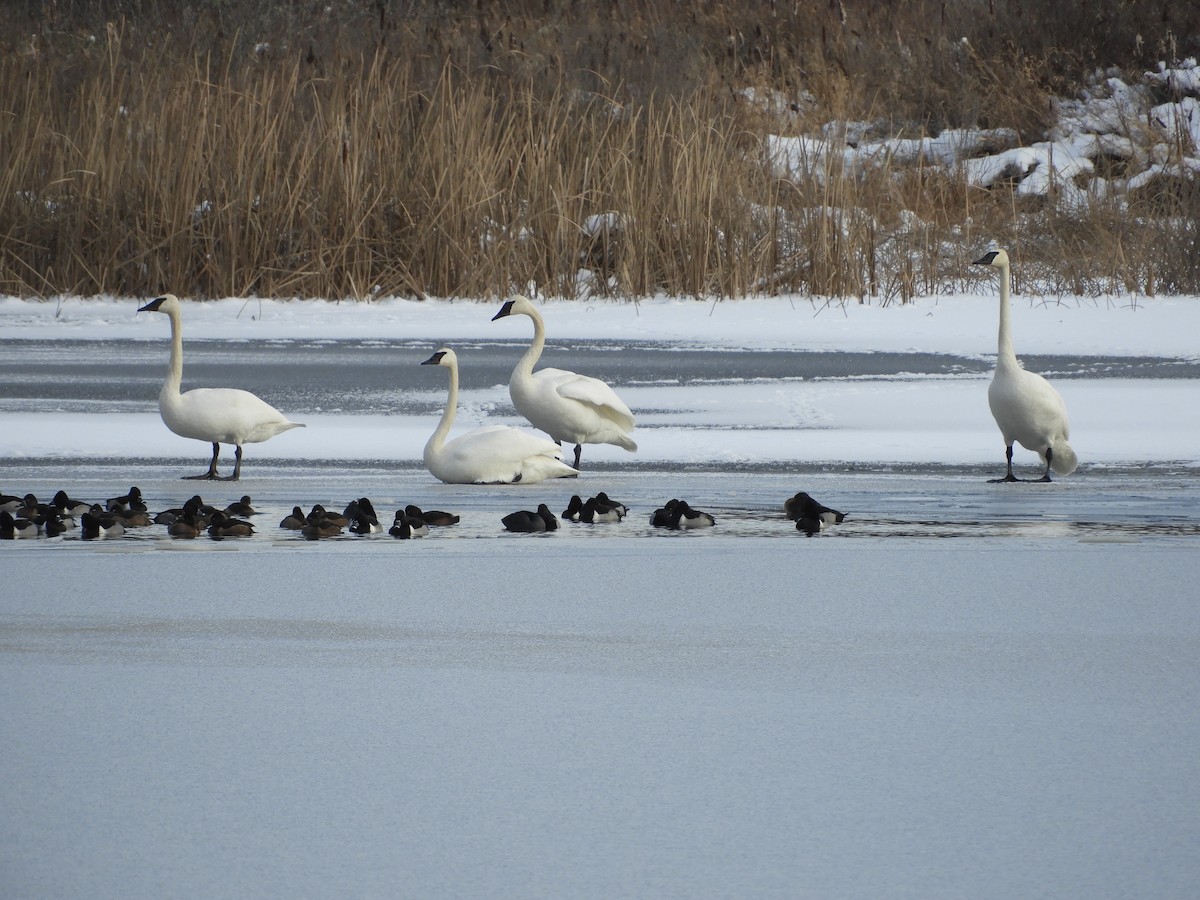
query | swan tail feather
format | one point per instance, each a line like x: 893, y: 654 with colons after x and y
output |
x: 1064, y: 460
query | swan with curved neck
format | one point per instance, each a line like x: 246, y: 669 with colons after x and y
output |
x: 493, y: 454
x: 217, y: 415
x: 1026, y: 407
x: 567, y: 406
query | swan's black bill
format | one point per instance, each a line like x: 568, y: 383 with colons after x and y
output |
x: 505, y: 310
x: 153, y: 305
x: 986, y: 259
x: 435, y: 359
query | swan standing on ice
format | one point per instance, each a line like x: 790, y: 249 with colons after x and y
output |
x: 217, y: 415
x: 565, y: 405
x: 1026, y: 407
x: 493, y: 454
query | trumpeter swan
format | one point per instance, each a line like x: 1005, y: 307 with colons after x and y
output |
x: 565, y: 405
x: 1026, y: 407
x: 493, y: 454
x: 217, y: 415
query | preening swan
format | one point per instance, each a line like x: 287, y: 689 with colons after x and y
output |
x: 493, y: 454
x: 1026, y: 407
x: 565, y: 405
x: 217, y: 415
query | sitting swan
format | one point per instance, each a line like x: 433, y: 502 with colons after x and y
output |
x: 217, y: 415
x: 493, y: 454
x: 565, y: 405
x: 1024, y: 404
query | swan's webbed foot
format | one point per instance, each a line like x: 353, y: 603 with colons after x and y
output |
x: 1010, y: 477
x: 207, y: 476
x: 1045, y: 479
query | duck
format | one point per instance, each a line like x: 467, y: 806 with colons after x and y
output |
x: 602, y: 499
x: 1026, y: 407
x: 223, y: 526
x: 531, y: 522
x: 185, y: 526
x: 16, y: 527
x: 217, y: 415
x: 67, y: 506
x: 364, y: 521
x: 294, y: 521
x: 195, y: 506
x: 437, y: 518
x: 684, y: 517
x: 567, y: 406
x: 52, y: 524
x: 99, y: 523
x: 361, y: 506
x: 241, y: 507
x: 802, y: 505
x: 661, y: 517
x: 493, y: 454
x: 318, y: 527
x: 810, y: 523
x: 132, y: 518
x: 405, y: 526
x: 574, y: 509
x: 319, y: 513
x: 10, y: 503
x: 594, y: 513
x: 132, y: 500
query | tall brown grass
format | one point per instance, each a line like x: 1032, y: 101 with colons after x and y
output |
x: 465, y: 155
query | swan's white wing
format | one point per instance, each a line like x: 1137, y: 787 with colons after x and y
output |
x: 228, y: 415
x: 499, y: 454
x: 592, y: 391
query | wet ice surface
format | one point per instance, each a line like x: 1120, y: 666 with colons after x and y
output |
x: 967, y: 689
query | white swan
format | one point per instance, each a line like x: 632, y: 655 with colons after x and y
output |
x: 565, y: 405
x: 1026, y: 407
x: 493, y: 454
x: 217, y: 415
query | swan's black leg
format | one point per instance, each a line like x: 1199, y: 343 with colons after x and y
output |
x: 211, y: 474
x: 1009, y: 475
x: 578, y: 450
x: 237, y: 466
x: 1049, y: 457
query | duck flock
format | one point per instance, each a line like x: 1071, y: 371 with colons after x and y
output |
x: 25, y: 516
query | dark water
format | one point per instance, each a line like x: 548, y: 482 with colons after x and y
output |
x: 377, y: 376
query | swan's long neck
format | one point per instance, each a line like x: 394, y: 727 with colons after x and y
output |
x: 1005, y: 355
x: 170, y: 388
x: 526, y: 363
x: 438, y: 438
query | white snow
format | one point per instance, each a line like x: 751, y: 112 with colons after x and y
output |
x: 917, y: 419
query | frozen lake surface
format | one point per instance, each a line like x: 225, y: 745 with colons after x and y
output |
x: 967, y: 689
x: 964, y: 690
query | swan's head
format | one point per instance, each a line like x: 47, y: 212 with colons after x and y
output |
x: 517, y: 306
x: 167, y: 303
x: 997, y: 258
x: 444, y: 357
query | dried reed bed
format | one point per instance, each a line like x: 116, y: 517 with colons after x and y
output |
x: 364, y: 168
